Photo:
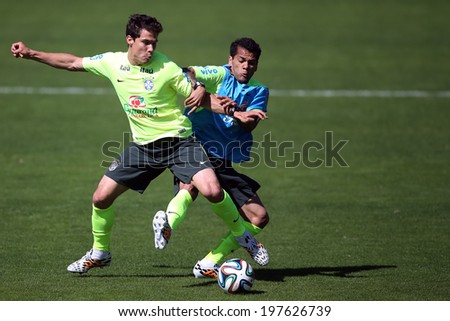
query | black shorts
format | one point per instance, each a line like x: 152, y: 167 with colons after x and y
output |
x: 240, y: 187
x: 138, y: 165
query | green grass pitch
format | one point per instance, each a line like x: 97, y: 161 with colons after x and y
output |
x: 377, y: 229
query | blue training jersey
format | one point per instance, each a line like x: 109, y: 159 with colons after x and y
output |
x: 220, y: 135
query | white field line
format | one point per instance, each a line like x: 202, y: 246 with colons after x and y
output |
x: 359, y: 93
x: 55, y: 91
x: 273, y: 92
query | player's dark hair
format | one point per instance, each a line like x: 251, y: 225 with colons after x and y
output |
x: 137, y: 22
x: 247, y: 43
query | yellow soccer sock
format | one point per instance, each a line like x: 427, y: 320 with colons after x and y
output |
x: 253, y: 229
x: 102, y: 223
x: 228, y: 245
x: 224, y: 248
x: 228, y: 212
x: 177, y: 208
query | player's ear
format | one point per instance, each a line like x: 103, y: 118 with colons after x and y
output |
x: 230, y: 60
x: 129, y: 40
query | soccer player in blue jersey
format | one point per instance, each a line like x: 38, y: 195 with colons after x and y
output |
x: 226, y: 140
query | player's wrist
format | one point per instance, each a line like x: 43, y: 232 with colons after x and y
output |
x: 231, y: 111
x: 197, y: 84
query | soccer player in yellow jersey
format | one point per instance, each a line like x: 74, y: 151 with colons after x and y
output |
x: 147, y: 84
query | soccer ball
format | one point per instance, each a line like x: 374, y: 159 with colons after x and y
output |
x: 235, y: 276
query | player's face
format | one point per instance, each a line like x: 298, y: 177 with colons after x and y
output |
x: 243, y: 65
x: 140, y: 50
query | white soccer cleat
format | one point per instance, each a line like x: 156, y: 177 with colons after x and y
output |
x: 87, y: 262
x: 162, y: 230
x: 256, y: 250
x: 205, y: 270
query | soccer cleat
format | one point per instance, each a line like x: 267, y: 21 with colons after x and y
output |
x: 162, y: 230
x: 87, y: 262
x: 202, y: 270
x: 256, y: 250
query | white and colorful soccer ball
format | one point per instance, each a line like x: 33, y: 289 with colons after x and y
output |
x: 235, y: 276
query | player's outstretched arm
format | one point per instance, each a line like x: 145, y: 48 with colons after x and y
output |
x: 57, y: 60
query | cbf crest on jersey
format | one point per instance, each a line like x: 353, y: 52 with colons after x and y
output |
x: 148, y: 83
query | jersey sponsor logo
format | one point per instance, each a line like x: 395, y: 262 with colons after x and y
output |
x: 146, y: 70
x: 135, y: 108
x: 125, y: 67
x: 140, y: 113
x: 97, y: 57
x: 137, y: 101
x: 208, y: 71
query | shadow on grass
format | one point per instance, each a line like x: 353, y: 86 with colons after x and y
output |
x: 274, y: 275
x: 278, y: 275
x: 168, y: 275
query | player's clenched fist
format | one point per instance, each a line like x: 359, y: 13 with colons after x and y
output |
x: 19, y: 50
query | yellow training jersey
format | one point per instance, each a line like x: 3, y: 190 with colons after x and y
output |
x: 148, y: 94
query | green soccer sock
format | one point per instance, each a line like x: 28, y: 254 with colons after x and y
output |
x: 177, y: 208
x: 253, y: 229
x: 102, y: 223
x: 228, y: 212
x: 228, y: 245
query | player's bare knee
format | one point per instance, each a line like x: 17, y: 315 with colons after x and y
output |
x: 264, y: 220
x: 213, y: 193
x: 260, y: 222
x: 257, y: 216
x: 101, y: 201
